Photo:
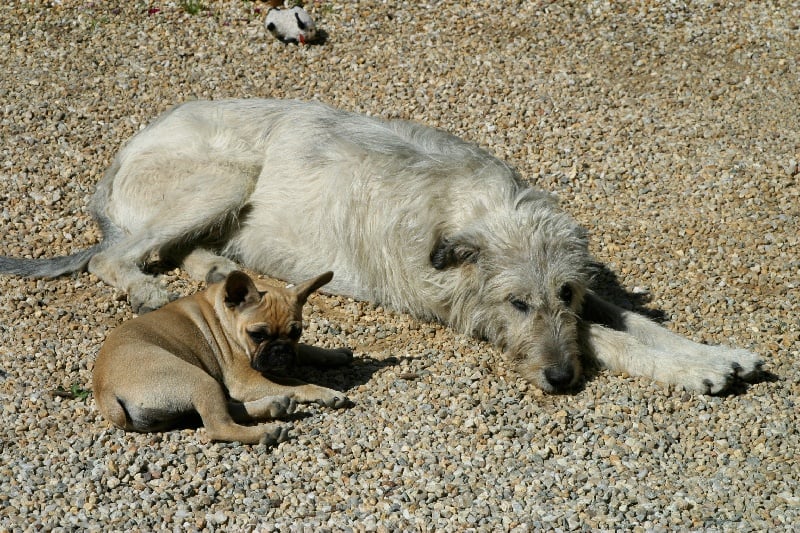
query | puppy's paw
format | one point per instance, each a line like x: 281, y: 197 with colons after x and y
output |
x: 271, y: 407
x: 281, y: 406
x: 274, y: 434
x: 337, y: 401
x: 322, y: 396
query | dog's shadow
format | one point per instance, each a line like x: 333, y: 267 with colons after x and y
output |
x: 606, y: 284
x: 342, y: 378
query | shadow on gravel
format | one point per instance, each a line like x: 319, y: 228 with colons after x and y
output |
x: 741, y: 387
x: 606, y: 285
x: 343, y: 378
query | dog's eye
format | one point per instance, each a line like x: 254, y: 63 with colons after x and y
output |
x: 519, y: 305
x: 295, y: 331
x: 565, y: 294
x: 258, y: 336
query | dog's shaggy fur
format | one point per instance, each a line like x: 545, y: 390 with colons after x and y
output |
x: 408, y: 216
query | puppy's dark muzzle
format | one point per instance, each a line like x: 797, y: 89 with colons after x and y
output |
x: 275, y: 357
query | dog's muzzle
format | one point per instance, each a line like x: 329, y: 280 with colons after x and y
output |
x: 274, y: 357
x: 561, y: 377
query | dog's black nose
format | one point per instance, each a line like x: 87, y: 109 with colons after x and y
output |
x: 277, y: 356
x: 560, y: 377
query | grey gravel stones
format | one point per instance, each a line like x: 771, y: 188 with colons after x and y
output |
x: 669, y: 130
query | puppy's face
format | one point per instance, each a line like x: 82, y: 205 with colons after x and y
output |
x: 268, y: 323
x: 272, y: 344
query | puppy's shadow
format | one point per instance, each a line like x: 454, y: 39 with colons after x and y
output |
x: 346, y: 377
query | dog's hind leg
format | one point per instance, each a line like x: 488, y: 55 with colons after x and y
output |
x: 120, y: 266
x: 143, y: 291
x: 624, y: 341
x: 171, y: 224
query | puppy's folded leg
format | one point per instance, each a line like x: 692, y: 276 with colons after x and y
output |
x: 307, y: 393
x: 299, y: 391
x: 624, y: 341
x: 266, y: 408
x: 167, y: 389
x: 220, y: 423
x: 252, y: 387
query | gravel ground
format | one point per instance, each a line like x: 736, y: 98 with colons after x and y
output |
x: 670, y: 130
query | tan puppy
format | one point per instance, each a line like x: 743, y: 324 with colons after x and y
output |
x: 207, y: 354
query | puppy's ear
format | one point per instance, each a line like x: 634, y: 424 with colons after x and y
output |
x: 240, y: 290
x: 305, y: 288
x: 450, y: 252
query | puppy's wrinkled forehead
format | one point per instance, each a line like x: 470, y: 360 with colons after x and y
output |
x: 276, y: 307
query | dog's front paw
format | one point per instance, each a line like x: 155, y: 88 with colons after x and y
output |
x: 719, y: 367
x: 274, y: 434
x: 270, y: 407
x: 336, y: 402
x: 746, y: 365
x: 322, y: 396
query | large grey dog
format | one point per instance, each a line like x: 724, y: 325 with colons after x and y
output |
x: 406, y: 215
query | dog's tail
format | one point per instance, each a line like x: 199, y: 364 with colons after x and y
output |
x: 57, y: 266
x: 49, y: 267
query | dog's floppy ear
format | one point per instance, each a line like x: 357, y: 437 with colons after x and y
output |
x: 305, y: 288
x: 240, y: 290
x: 450, y: 252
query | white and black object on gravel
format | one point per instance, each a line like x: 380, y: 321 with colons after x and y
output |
x: 293, y: 25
